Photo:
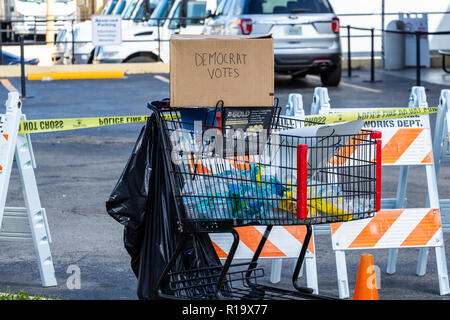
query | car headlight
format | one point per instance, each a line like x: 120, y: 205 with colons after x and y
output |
x: 110, y: 54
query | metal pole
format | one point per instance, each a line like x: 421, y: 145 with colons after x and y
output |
x: 73, y: 44
x: 22, y: 67
x: 418, y: 81
x: 1, y: 41
x: 35, y: 29
x: 159, y: 40
x: 372, y: 56
x: 349, y: 54
x: 382, y: 28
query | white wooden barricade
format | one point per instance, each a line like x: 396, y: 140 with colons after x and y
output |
x: 30, y: 222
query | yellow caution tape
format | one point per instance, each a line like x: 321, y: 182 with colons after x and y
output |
x: 369, y: 115
x: 52, y: 125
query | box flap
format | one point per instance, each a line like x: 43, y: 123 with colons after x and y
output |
x: 218, y: 37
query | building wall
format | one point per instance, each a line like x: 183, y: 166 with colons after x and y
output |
x: 361, y: 46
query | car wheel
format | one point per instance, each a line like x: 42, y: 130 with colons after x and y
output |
x: 331, y: 77
x: 142, y: 58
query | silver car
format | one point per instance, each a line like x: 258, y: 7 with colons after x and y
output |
x: 305, y: 32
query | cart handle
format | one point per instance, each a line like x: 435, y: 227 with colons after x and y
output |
x: 378, y: 160
x: 302, y: 181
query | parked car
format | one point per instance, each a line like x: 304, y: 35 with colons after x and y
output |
x: 140, y: 42
x: 63, y: 44
x: 305, y: 32
x: 133, y: 12
x: 12, y: 59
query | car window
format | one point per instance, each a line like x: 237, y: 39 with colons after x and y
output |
x: 130, y: 9
x: 161, y: 12
x: 188, y: 9
x: 111, y: 8
x: 287, y: 6
x: 140, y: 13
x: 219, y: 8
x: 120, y: 7
x: 153, y: 5
x: 175, y: 23
x: 227, y: 7
x: 223, y: 8
x: 195, y: 9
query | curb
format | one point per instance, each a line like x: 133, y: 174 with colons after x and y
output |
x: 78, y: 70
x: 85, y: 69
x: 114, y: 74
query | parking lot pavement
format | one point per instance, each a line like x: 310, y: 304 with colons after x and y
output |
x: 78, y: 169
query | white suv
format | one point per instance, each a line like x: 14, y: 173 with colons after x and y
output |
x: 305, y: 32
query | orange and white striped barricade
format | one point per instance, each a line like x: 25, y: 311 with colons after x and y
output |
x: 283, y: 242
x: 405, y: 142
x: 29, y: 222
x: 441, y: 154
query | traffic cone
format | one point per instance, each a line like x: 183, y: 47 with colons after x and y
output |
x: 366, y: 284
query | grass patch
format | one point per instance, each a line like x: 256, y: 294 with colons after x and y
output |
x: 22, y: 295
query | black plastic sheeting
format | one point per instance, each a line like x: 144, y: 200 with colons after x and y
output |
x: 144, y: 203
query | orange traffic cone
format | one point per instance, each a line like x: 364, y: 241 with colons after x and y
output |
x: 366, y: 284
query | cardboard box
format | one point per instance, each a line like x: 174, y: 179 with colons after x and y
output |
x: 236, y: 69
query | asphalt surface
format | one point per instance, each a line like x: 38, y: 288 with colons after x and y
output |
x: 78, y: 169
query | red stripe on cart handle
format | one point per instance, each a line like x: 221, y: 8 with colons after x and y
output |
x: 376, y: 134
x: 302, y: 181
x: 378, y: 177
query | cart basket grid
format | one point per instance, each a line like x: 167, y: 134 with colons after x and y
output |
x: 225, y: 177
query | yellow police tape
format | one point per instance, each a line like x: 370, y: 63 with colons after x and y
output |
x: 53, y: 125
x: 370, y: 115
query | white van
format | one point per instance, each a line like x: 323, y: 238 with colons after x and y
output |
x: 132, y: 12
x: 64, y: 37
x: 140, y: 43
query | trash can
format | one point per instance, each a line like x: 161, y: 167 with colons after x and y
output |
x: 394, y: 44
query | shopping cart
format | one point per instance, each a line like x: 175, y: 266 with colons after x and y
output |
x: 224, y: 178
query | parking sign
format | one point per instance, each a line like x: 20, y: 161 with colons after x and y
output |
x: 106, y: 30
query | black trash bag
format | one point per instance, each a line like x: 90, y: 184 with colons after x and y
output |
x: 127, y: 202
x: 144, y: 203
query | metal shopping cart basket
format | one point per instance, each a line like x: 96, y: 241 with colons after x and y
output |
x: 224, y: 178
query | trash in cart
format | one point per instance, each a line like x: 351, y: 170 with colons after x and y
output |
x: 263, y: 186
